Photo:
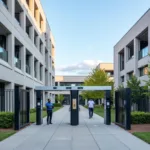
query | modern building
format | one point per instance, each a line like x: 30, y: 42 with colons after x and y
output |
x: 27, y: 49
x: 131, y: 52
x: 69, y: 81
x: 79, y: 80
x: 108, y: 67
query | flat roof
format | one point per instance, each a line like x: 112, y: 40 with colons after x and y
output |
x: 133, y: 26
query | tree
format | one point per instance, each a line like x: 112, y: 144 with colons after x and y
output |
x: 134, y: 85
x: 60, y: 98
x: 97, y: 77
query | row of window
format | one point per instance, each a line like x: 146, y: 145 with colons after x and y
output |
x: 18, y: 53
x: 141, y: 45
x: 69, y: 83
x: 29, y: 29
x: 142, y: 71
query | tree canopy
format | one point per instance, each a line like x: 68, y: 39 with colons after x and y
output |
x: 60, y: 98
x: 97, y: 77
x: 134, y: 85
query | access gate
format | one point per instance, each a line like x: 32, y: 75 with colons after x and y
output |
x: 22, y: 108
x: 123, y: 108
x: 74, y: 92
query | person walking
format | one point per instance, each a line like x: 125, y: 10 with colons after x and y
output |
x: 91, y: 108
x: 49, y: 108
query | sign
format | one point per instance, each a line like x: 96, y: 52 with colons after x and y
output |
x: 74, y: 104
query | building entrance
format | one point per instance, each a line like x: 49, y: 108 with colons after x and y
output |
x: 74, y: 101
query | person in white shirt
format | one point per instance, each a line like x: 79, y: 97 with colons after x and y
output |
x: 91, y: 107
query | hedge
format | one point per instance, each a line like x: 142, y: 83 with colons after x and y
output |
x: 6, y: 119
x: 140, y: 117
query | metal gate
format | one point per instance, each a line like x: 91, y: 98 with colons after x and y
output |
x: 123, y: 108
x: 22, y: 107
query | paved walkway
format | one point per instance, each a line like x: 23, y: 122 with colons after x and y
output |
x: 91, y: 134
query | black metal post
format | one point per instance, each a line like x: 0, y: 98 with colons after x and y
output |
x: 74, y: 107
x: 107, y: 109
x: 28, y: 106
x: 39, y: 107
x: 116, y: 106
x: 17, y: 109
x: 128, y: 109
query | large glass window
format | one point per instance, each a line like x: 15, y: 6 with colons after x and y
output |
x: 130, y: 74
x: 122, y: 78
x: 3, y: 52
x: 143, y: 42
x: 143, y: 71
x: 121, y: 60
x: 130, y: 49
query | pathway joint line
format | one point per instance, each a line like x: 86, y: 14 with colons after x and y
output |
x: 92, y: 135
x: 54, y: 132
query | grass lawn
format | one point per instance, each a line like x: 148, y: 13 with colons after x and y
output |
x: 33, y: 115
x: 6, y: 134
x: 145, y: 136
x: 100, y: 111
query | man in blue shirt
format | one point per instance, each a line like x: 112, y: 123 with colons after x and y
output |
x: 49, y: 108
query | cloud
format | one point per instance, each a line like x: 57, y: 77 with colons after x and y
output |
x: 81, y: 68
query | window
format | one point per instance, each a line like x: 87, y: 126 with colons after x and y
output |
x: 41, y: 68
x: 4, y: 3
x: 17, y: 57
x: 122, y: 60
x: 143, y: 42
x: 35, y: 67
x: 27, y: 1
x: 130, y: 50
x: 122, y: 78
x: 41, y: 46
x: 143, y: 71
x: 3, y: 52
x: 130, y: 74
x: 35, y: 38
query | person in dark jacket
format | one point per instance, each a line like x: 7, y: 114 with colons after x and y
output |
x: 49, y: 108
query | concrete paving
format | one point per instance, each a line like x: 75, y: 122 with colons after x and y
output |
x: 90, y: 134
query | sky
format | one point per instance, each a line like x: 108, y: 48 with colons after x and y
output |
x: 86, y: 31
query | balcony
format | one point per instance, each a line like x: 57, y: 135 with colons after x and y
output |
x: 3, y: 54
x: 18, y: 63
x: 143, y: 52
x: 28, y: 69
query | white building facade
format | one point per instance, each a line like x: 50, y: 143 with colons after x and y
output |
x: 27, y: 48
x: 131, y: 52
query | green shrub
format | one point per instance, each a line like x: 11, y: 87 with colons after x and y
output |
x: 32, y: 110
x: 6, y: 119
x: 140, y: 117
x: 57, y: 105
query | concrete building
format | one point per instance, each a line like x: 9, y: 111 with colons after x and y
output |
x: 27, y: 49
x: 131, y: 52
x: 79, y: 80
x: 69, y: 81
x: 108, y: 67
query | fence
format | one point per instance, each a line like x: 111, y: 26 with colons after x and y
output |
x: 17, y: 101
x: 6, y: 100
x: 141, y: 100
